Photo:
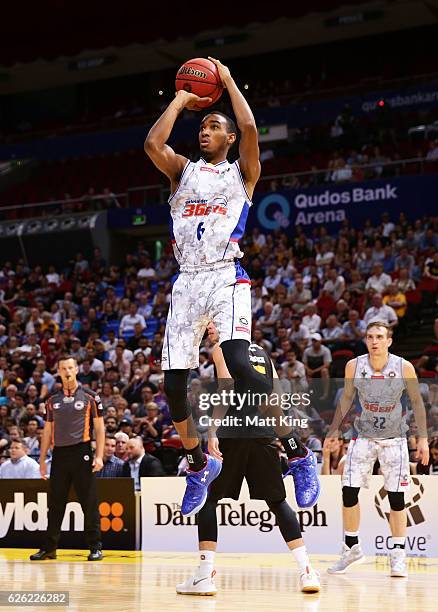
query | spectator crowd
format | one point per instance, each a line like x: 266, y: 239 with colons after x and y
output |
x: 312, y: 298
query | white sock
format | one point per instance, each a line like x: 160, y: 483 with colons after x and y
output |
x: 301, y: 557
x: 206, y: 562
x: 400, y: 541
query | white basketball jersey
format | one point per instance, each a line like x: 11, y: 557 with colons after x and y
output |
x: 381, y: 411
x: 208, y: 213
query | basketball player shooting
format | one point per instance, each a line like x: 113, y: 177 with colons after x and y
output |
x: 209, y: 205
x: 379, y: 379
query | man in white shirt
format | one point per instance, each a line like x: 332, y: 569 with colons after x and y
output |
x: 147, y: 270
x: 387, y: 225
x: 19, y: 465
x: 335, y: 285
x: 379, y: 281
x: 380, y: 312
x: 273, y: 279
x: 128, y: 322
x: 299, y: 333
x: 332, y: 332
x: 127, y: 354
x: 312, y: 320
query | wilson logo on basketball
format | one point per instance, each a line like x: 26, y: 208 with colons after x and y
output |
x: 110, y: 516
x: 192, y: 72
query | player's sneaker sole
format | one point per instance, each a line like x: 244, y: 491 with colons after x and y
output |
x: 342, y: 571
x: 198, y: 593
x: 398, y: 574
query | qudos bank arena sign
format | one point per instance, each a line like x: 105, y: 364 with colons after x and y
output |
x: 331, y: 204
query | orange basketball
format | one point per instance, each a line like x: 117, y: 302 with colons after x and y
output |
x: 200, y: 76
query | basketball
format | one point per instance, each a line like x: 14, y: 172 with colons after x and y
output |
x: 200, y: 76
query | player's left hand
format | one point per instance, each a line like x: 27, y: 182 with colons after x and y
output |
x: 422, y: 451
x: 97, y: 464
x: 224, y: 71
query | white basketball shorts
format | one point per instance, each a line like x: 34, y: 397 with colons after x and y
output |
x: 220, y: 293
x: 393, y: 457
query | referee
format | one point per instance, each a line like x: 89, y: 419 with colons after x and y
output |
x: 71, y: 414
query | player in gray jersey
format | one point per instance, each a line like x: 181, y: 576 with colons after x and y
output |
x: 379, y: 380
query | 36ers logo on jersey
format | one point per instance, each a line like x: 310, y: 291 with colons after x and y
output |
x: 201, y: 208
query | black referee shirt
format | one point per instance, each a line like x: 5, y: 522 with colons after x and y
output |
x: 72, y: 415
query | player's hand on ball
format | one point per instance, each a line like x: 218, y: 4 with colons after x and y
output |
x: 224, y: 71
x: 190, y: 100
x: 422, y: 453
x: 97, y: 464
x: 213, y: 448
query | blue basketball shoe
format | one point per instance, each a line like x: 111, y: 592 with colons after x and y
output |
x: 197, y: 486
x: 307, y: 486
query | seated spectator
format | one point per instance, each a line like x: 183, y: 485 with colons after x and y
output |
x: 380, y: 312
x: 431, y: 267
x: 397, y: 301
x: 325, y: 257
x: 151, y: 428
x: 353, y: 332
x: 122, y: 440
x: 86, y: 376
x: 311, y: 319
x: 317, y: 359
x: 139, y: 463
x: 335, y: 284
x: 341, y: 173
x: 31, y: 439
x: 112, y: 465
x: 272, y: 279
x: 334, y: 454
x: 126, y: 426
x: 379, y: 281
x: 111, y: 425
x: 299, y: 297
x: 122, y: 364
x: 19, y: 465
x: 293, y: 373
x: 268, y: 320
x: 147, y: 271
x: 404, y: 283
x: 259, y: 339
x: 299, y: 334
x: 129, y: 321
x: 331, y: 334
x: 404, y: 260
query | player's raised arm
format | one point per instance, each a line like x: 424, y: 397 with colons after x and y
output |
x: 413, y: 389
x: 161, y: 154
x: 249, y: 154
x: 344, y: 405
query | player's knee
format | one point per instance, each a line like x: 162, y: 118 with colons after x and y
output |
x: 396, y: 501
x: 236, y: 357
x: 350, y: 496
x: 175, y: 387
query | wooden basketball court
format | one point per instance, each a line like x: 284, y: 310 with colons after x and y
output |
x: 134, y: 581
